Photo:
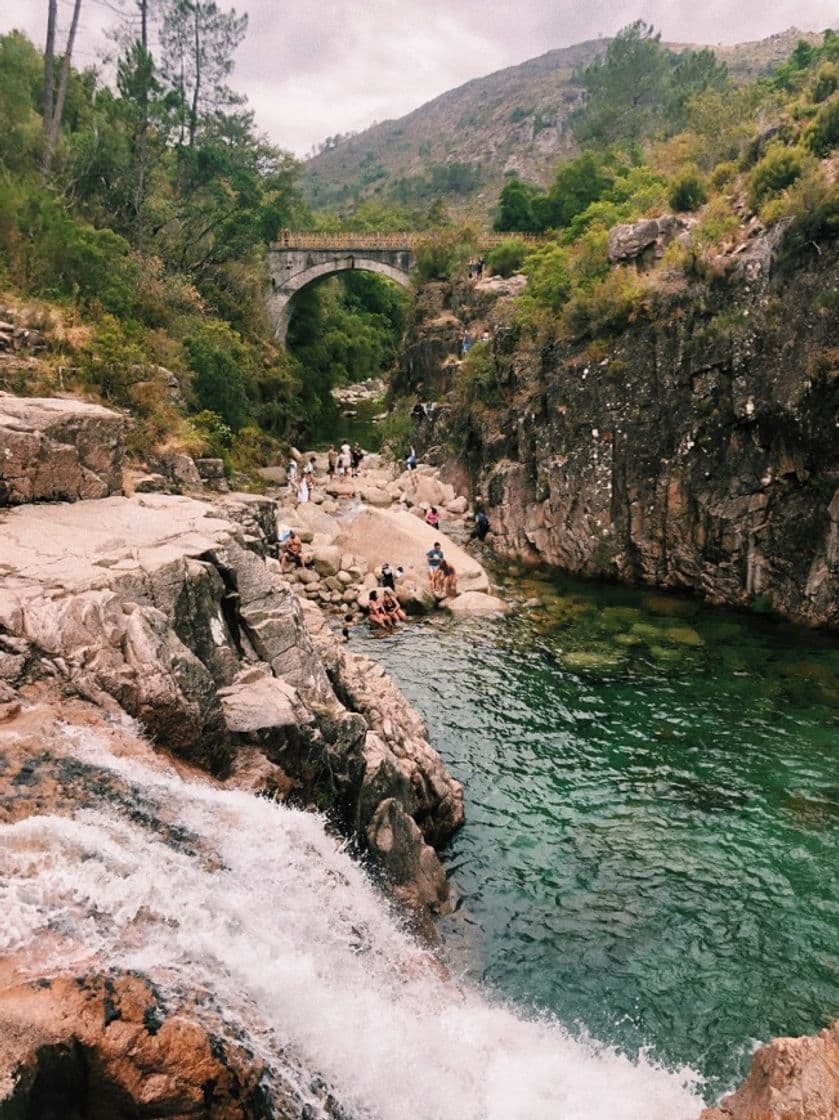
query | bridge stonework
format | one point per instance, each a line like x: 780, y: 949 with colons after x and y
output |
x: 296, y: 261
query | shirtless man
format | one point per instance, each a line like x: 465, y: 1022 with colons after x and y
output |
x: 292, y: 550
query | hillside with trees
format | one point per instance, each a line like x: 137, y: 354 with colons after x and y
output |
x: 133, y: 224
x: 460, y: 148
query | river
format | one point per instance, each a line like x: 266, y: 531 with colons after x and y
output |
x: 652, y: 797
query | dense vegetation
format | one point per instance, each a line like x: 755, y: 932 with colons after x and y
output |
x: 133, y: 224
x: 663, y: 133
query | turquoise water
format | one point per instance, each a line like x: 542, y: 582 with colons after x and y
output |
x: 652, y: 840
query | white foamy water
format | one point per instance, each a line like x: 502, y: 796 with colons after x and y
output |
x: 262, y: 910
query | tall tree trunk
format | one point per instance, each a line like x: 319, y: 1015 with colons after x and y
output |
x: 58, y: 111
x: 196, y: 89
x: 49, y: 63
x: 143, y: 127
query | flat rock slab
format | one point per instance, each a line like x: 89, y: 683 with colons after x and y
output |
x: 86, y: 544
x: 58, y: 450
x: 377, y: 535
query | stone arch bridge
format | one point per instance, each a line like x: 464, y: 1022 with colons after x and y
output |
x: 299, y: 259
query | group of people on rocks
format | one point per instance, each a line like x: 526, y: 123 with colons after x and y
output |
x: 384, y: 610
x: 441, y: 574
x: 303, y: 483
x: 345, y: 463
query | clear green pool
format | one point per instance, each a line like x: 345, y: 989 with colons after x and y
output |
x: 652, y: 846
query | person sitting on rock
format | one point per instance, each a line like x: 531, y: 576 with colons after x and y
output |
x: 377, y: 614
x: 292, y: 551
x: 447, y: 579
x: 435, y: 558
x: 391, y: 607
x: 432, y: 518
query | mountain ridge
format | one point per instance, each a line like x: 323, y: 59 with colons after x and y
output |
x: 462, y: 145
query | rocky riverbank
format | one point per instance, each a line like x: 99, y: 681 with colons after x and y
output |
x: 160, y: 628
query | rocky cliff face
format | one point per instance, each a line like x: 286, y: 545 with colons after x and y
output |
x: 697, y: 450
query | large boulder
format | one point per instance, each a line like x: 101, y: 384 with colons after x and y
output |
x: 789, y: 1079
x: 58, y: 450
x: 424, y: 489
x: 649, y: 236
x: 394, y: 535
x: 104, y: 1046
x: 476, y: 602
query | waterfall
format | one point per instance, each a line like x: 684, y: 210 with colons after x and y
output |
x: 258, y: 906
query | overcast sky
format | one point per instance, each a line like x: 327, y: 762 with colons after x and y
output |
x: 315, y: 68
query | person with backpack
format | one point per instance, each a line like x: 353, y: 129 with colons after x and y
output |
x: 481, y: 526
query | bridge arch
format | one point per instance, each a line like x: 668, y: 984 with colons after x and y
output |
x: 293, y: 268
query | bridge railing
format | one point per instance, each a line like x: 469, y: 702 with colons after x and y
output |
x: 405, y: 242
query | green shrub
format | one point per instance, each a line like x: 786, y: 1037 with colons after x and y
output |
x: 823, y: 134
x: 442, y: 254
x: 813, y: 205
x: 508, y: 257
x: 477, y: 383
x: 605, y: 308
x: 113, y: 361
x: 251, y: 448
x: 778, y: 169
x: 549, y: 276
x: 220, y: 361
x: 826, y: 83
x: 215, y: 435
x: 688, y: 192
x: 723, y: 174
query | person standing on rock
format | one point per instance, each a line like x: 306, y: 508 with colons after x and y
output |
x: 309, y: 472
x: 481, y: 526
x: 411, y: 459
x: 303, y: 491
x: 357, y: 454
x: 331, y: 461
x: 291, y: 474
x: 435, y: 558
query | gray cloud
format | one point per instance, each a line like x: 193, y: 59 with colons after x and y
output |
x: 315, y: 69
